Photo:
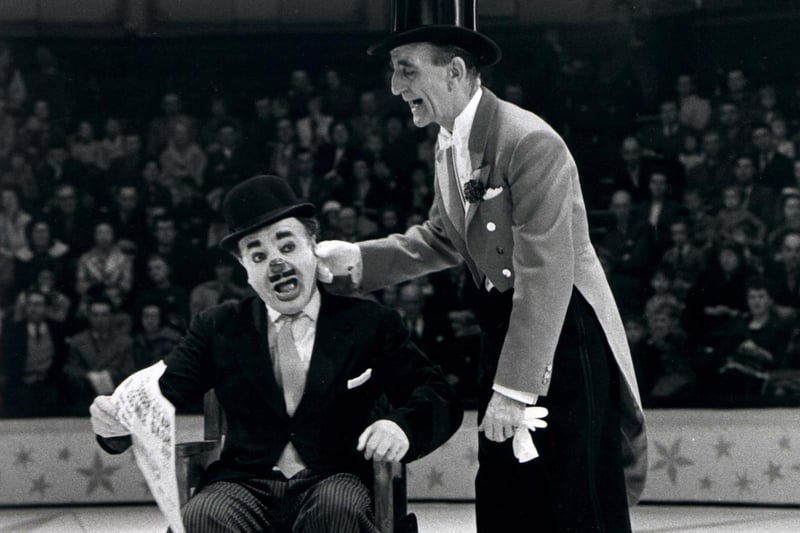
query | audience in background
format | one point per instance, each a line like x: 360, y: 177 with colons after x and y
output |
x: 110, y: 218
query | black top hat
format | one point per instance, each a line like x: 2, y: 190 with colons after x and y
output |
x: 258, y: 202
x: 443, y: 22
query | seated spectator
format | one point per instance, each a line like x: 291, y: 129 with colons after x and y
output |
x: 218, y: 115
x: 337, y: 97
x: 182, y: 157
x: 105, y: 263
x: 632, y: 171
x: 733, y: 132
x: 665, y: 138
x: 312, y: 128
x: 329, y: 220
x: 153, y: 340
x: 227, y: 162
x: 83, y: 146
x: 158, y: 287
x: 699, y: 220
x: 365, y: 193
x: 128, y: 218
x: 162, y: 127
x: 667, y: 350
x: 756, y: 343
x: 333, y: 160
x: 13, y: 238
x: 260, y: 129
x: 278, y: 155
x: 223, y: 286
x: 662, y: 283
x: 784, y: 272
x: 684, y: 259
x: 784, y: 145
x: 112, y: 146
x: 367, y: 120
x: 710, y: 175
x: 70, y: 223
x: 628, y: 251
x: 20, y: 177
x: 151, y: 189
x: 756, y: 198
x: 58, y: 306
x: 658, y: 211
x: 689, y: 154
x: 694, y: 111
x: 190, y: 210
x: 718, y: 297
x: 774, y: 168
x: 789, y: 219
x: 42, y: 251
x: 306, y: 185
x: 31, y: 360
x: 184, y: 258
x: 99, y: 358
x: 733, y: 213
x: 127, y: 167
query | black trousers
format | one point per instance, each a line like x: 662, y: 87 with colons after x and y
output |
x: 576, y: 484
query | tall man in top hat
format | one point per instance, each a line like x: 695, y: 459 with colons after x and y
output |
x: 508, y: 203
x: 301, y: 376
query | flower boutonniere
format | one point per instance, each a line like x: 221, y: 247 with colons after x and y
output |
x: 474, y: 191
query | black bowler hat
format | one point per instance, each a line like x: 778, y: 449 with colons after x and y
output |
x: 442, y: 22
x: 258, y: 202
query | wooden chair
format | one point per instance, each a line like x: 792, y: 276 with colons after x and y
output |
x: 389, y: 495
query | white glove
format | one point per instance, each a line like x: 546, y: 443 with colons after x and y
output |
x: 104, y: 420
x: 524, y: 450
x: 339, y: 259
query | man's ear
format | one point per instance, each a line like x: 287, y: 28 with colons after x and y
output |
x: 457, y: 69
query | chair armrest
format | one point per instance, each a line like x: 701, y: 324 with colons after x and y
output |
x: 192, y: 449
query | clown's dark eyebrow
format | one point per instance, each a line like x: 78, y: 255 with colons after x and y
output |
x: 253, y: 244
x: 284, y: 235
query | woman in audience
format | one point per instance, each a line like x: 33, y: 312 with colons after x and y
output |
x: 104, y: 264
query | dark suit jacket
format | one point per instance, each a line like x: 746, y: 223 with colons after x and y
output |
x: 226, y: 349
x: 14, y: 351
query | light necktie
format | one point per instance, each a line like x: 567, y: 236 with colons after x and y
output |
x: 293, y: 382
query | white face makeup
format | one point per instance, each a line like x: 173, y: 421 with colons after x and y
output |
x: 281, y: 265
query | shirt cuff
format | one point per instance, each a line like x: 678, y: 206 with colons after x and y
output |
x: 524, y: 397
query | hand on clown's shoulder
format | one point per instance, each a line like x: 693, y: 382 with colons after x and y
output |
x: 339, y: 266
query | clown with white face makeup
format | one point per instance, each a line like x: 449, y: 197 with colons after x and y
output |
x: 302, y: 376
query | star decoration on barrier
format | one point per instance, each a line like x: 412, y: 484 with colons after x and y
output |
x: 40, y: 485
x: 773, y: 472
x: 784, y: 443
x: 98, y: 475
x: 723, y: 447
x: 743, y: 483
x: 64, y: 454
x: 435, y: 478
x: 23, y: 457
x: 706, y: 483
x: 671, y: 460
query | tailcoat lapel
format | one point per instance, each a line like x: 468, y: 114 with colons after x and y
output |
x: 478, y: 138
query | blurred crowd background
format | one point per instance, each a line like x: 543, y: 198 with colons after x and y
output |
x: 115, y: 156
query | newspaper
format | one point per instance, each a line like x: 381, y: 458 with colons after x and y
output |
x: 150, y: 418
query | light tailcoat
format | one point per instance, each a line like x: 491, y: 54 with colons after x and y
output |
x: 532, y: 237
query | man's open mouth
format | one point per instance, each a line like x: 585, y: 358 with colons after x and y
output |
x: 286, y: 284
x: 415, y: 104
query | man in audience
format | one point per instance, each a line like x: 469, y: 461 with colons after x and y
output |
x: 32, y: 354
x: 99, y: 358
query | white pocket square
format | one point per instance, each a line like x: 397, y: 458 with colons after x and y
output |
x: 360, y: 380
x: 492, y: 192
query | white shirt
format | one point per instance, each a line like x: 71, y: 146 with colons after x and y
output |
x: 459, y: 140
x: 304, y: 330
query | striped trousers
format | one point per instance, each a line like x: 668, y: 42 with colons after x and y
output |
x: 307, y: 503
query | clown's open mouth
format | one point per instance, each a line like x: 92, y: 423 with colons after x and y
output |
x: 287, y: 286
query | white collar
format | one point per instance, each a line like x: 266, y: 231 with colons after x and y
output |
x: 311, y: 310
x: 462, y: 125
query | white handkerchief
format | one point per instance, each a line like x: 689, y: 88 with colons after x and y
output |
x: 360, y: 380
x: 524, y: 450
x: 492, y: 192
